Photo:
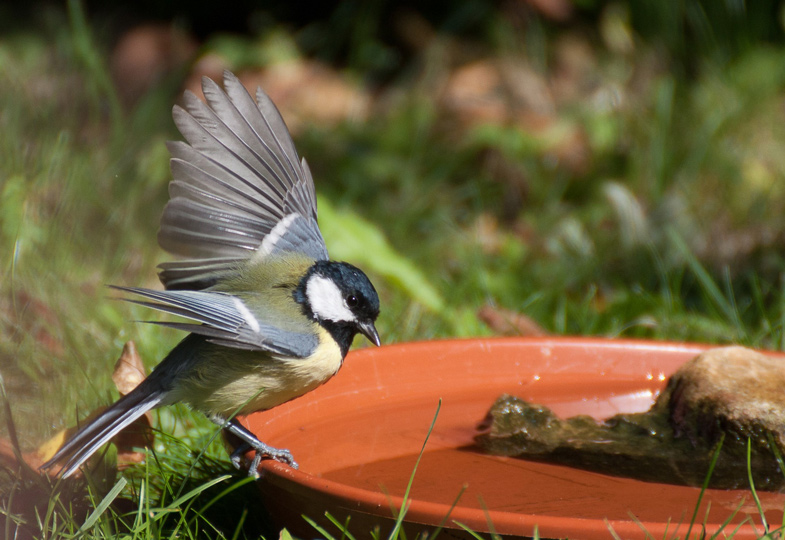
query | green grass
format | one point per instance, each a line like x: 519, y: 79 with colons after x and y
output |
x: 670, y: 229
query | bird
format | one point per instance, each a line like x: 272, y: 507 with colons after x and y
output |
x: 269, y: 316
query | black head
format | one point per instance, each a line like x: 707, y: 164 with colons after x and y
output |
x: 341, y: 297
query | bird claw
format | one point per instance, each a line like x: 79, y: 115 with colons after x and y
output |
x: 261, y: 450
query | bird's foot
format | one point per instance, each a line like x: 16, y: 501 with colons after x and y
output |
x: 251, y: 442
x: 260, y: 450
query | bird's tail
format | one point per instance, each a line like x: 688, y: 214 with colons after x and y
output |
x: 95, y: 434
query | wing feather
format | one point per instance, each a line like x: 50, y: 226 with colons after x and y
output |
x: 235, y: 180
x: 224, y: 319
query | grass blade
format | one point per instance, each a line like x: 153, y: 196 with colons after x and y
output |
x: 199, y: 489
x: 224, y: 493
x: 776, y: 451
x: 439, y: 527
x: 96, y: 514
x: 729, y: 519
x: 752, y: 487
x: 491, y: 528
x: 321, y: 530
x: 705, y: 485
x: 710, y: 287
x: 399, y: 520
x: 468, y: 530
x: 343, y: 527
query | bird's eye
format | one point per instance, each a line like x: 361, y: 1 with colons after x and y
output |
x: 351, y: 301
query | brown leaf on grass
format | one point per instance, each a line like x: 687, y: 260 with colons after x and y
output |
x: 26, y: 498
x: 137, y: 435
x: 47, y: 449
x: 525, y: 87
x: 128, y: 373
x: 128, y: 370
x: 509, y: 323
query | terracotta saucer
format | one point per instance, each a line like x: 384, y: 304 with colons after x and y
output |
x: 357, y: 439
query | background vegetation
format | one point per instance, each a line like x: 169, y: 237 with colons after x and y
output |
x: 582, y: 168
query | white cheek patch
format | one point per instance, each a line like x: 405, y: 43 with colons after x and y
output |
x: 326, y: 300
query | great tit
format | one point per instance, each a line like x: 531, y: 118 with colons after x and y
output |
x: 274, y: 317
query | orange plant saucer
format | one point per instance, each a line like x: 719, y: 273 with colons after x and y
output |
x: 357, y: 439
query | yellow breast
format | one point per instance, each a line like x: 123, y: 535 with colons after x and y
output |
x: 242, y: 382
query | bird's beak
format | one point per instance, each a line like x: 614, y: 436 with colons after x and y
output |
x: 369, y: 330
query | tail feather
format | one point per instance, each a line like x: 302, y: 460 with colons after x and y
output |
x: 92, y: 436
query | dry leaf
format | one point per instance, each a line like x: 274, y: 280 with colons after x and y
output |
x: 128, y: 373
x: 48, y: 448
x: 128, y: 370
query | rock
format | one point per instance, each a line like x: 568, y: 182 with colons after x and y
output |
x: 720, y: 401
x: 730, y: 390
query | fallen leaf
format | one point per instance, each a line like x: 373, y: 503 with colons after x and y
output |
x: 128, y: 373
x: 47, y: 449
x: 128, y: 370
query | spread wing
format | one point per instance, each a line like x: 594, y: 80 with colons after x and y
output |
x: 239, y: 189
x: 227, y: 321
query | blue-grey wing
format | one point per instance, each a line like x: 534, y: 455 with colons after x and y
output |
x: 236, y: 180
x: 226, y: 320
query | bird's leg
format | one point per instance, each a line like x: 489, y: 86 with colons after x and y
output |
x: 250, y: 442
